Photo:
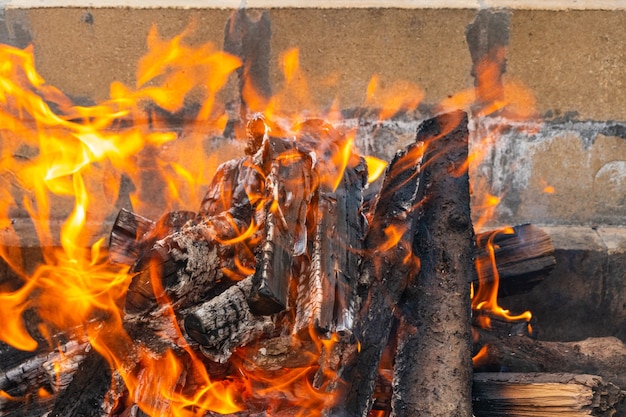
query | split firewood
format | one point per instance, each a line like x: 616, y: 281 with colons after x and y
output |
x: 326, y: 292
x: 433, y: 360
x: 605, y: 356
x: 523, y: 256
x: 543, y: 395
x: 288, y: 185
x: 384, y: 274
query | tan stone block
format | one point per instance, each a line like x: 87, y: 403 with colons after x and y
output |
x: 587, y: 184
x: 571, y: 60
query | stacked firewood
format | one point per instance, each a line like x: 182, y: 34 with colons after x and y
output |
x: 287, y: 249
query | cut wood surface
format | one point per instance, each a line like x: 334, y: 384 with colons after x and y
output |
x: 543, y: 395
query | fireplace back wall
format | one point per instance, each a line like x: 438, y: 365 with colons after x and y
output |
x: 570, y: 55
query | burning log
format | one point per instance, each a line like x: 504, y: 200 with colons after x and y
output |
x: 326, y: 293
x: 54, y: 371
x: 523, y: 255
x: 383, y: 278
x: 90, y: 386
x: 184, y: 266
x: 128, y: 229
x: 226, y: 322
x: 432, y: 374
x: 289, y: 185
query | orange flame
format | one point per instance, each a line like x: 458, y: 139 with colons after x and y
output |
x: 400, y: 96
x: 486, y: 298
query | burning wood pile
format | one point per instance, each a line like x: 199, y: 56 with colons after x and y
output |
x: 298, y: 288
x: 302, y: 285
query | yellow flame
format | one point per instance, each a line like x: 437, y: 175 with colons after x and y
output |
x: 375, y: 168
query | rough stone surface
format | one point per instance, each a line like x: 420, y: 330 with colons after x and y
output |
x: 552, y: 176
x: 571, y: 61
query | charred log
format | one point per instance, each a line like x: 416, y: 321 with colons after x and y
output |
x: 184, y: 267
x: 47, y: 372
x: 128, y: 229
x: 87, y: 395
x: 384, y: 274
x: 433, y: 370
x: 288, y: 184
x: 326, y: 292
x: 226, y: 322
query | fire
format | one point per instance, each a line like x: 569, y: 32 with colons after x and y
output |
x: 486, y: 298
x: 76, y: 158
x: 399, y: 97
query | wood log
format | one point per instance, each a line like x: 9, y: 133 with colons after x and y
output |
x: 226, y: 322
x: 30, y: 387
x: 181, y: 268
x: 605, y: 356
x: 524, y: 257
x: 89, y: 392
x: 326, y: 292
x: 128, y: 229
x: 433, y: 369
x: 543, y: 395
x: 384, y: 274
x: 288, y: 187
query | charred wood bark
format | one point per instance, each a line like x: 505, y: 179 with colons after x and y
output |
x: 184, y: 267
x: 384, y: 274
x: 543, y: 395
x: 326, y: 293
x: 33, y: 383
x: 433, y: 370
x: 288, y: 186
x: 87, y: 395
x: 225, y: 322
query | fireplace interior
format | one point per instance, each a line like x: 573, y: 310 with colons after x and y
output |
x: 168, y: 104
